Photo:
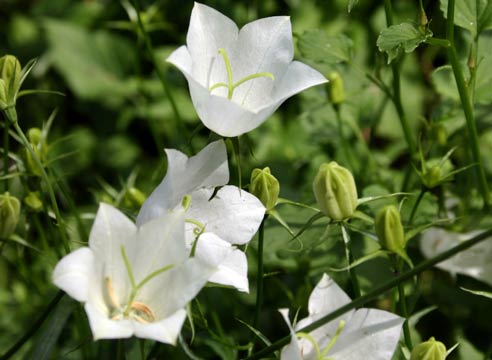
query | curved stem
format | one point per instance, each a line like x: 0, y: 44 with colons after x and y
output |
x: 467, y: 105
x: 377, y: 292
x: 407, y: 131
x: 403, y: 307
x: 6, y: 153
x: 46, y: 179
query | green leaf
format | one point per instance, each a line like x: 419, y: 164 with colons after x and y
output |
x: 96, y: 65
x: 51, y: 331
x: 351, y: 4
x: 406, y: 36
x: 486, y: 294
x: 318, y: 46
x: 472, y: 15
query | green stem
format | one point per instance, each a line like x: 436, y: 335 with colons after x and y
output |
x: 6, y: 153
x: 35, y: 327
x: 46, y: 179
x: 343, y: 140
x: 237, y: 153
x: 467, y: 106
x: 403, y: 307
x: 120, y: 355
x: 350, y: 260
x: 160, y: 74
x: 407, y: 131
x: 416, y: 205
x: 259, y: 276
x: 377, y: 292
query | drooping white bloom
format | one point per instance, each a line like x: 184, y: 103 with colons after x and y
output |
x: 238, y: 78
x: 233, y: 215
x: 367, y: 334
x: 475, y: 261
x: 135, y: 281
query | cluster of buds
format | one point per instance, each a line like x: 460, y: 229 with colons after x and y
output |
x: 39, y: 145
x: 9, y: 214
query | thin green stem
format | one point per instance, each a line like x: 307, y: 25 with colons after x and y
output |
x: 237, y: 153
x: 348, y: 255
x: 416, y: 205
x: 438, y: 42
x: 260, y: 275
x: 467, y: 105
x: 6, y: 153
x: 35, y: 327
x: 46, y: 179
x: 403, y: 306
x: 343, y: 140
x: 160, y: 74
x: 120, y: 355
x: 377, y: 292
x: 407, y: 131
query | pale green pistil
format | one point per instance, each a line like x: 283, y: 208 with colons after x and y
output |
x: 321, y: 355
x: 231, y: 85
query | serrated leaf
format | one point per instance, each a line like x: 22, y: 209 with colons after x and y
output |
x: 406, y: 36
x: 474, y: 15
x: 318, y: 46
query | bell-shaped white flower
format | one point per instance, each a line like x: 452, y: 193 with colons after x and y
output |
x: 233, y: 215
x: 368, y: 334
x: 136, y: 281
x: 475, y: 261
x: 238, y: 78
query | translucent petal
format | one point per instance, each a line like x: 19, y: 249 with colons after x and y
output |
x: 104, y: 328
x: 164, y: 331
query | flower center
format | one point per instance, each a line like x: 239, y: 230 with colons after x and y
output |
x: 231, y: 85
x: 133, y: 309
x: 321, y: 355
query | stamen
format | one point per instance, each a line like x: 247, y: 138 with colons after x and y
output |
x: 303, y: 335
x: 143, y: 313
x: 111, y: 293
x: 186, y: 202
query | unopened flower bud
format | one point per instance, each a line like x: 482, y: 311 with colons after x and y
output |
x: 335, y: 191
x: 429, y: 350
x: 389, y: 230
x: 265, y: 187
x: 33, y: 201
x: 10, y: 74
x: 9, y: 214
x: 40, y: 148
x: 134, y: 197
x: 432, y: 177
x: 336, y: 94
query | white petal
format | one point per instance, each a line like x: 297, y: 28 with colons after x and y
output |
x: 181, y: 58
x: 172, y: 290
x: 326, y: 297
x: 165, y: 331
x: 291, y: 351
x: 111, y: 231
x: 74, y: 273
x: 160, y: 243
x: 208, y: 168
x: 209, y: 30
x: 104, y: 328
x: 371, y: 335
x: 234, y: 215
x: 264, y: 45
x: 297, y: 78
x: 233, y: 271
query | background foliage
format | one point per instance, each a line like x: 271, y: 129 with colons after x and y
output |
x: 105, y: 141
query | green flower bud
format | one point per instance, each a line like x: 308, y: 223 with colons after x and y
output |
x: 10, y: 74
x: 9, y: 214
x: 432, y: 177
x: 265, y: 187
x: 335, y: 191
x: 336, y: 94
x: 429, y: 350
x: 33, y: 201
x: 40, y: 148
x: 134, y: 198
x: 390, y: 230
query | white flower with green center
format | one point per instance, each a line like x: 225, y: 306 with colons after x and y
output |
x: 367, y: 334
x: 238, y: 78
x: 231, y: 214
x: 475, y: 261
x: 135, y: 280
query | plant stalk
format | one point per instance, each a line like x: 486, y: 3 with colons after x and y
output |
x: 259, y: 277
x: 350, y: 259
